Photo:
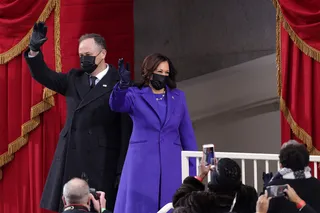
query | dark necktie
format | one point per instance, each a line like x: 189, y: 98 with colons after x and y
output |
x: 93, y: 81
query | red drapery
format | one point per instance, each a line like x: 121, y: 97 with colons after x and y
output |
x: 298, y: 45
x: 24, y: 175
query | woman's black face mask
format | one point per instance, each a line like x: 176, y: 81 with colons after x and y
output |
x: 158, y: 82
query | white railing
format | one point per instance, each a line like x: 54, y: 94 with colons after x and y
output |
x: 166, y: 208
x: 255, y: 157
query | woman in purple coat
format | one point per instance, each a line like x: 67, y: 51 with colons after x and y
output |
x: 161, y: 130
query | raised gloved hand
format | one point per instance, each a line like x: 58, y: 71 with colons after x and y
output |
x: 266, y: 177
x: 38, y: 36
x: 124, y: 73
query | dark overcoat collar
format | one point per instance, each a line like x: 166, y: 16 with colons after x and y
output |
x: 105, y: 85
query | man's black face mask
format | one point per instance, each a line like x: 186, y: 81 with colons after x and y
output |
x: 88, y: 63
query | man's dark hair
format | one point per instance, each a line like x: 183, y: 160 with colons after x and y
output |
x: 98, y: 39
x: 294, y: 156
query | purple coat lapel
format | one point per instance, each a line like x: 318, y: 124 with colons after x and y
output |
x: 148, y: 97
x: 172, y: 98
x: 172, y: 101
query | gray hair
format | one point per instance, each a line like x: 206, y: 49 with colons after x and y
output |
x: 76, y: 191
x: 290, y: 142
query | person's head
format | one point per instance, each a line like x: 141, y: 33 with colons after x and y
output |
x: 198, y: 201
x: 92, y: 52
x: 76, y: 192
x: 182, y: 210
x: 294, y: 155
x: 290, y: 142
x: 189, y: 184
x: 158, y: 71
x: 226, y: 176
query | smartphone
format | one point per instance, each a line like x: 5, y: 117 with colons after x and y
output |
x: 276, y: 191
x: 208, y: 154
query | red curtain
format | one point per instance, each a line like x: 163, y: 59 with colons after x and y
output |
x: 298, y: 45
x: 24, y: 176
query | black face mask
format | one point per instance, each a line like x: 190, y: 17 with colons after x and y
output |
x: 88, y: 64
x: 158, y: 82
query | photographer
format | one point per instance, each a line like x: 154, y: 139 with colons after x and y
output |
x: 263, y: 202
x: 294, y: 161
x: 77, y: 198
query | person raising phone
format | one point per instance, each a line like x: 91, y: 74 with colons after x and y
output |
x: 161, y: 130
x: 294, y: 159
x: 301, y: 205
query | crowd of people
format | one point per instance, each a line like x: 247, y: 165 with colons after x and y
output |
x: 125, y: 139
x: 226, y: 193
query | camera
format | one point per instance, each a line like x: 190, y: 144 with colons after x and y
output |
x: 93, y: 191
x: 96, y: 195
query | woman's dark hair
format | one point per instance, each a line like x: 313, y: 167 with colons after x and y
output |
x: 294, y: 156
x: 150, y: 64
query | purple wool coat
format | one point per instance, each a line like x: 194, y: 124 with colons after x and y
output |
x: 152, y: 169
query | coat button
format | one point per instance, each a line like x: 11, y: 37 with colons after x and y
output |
x: 90, y: 132
x: 73, y: 129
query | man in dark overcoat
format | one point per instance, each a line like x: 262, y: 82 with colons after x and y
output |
x: 94, y: 139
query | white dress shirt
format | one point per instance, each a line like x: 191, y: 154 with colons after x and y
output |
x: 101, y: 74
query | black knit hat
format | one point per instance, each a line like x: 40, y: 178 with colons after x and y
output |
x: 226, y: 176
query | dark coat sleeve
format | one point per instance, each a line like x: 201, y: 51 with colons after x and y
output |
x: 106, y: 211
x: 189, y: 185
x: 126, y: 130
x: 252, y: 197
x: 57, y: 82
x: 307, y: 209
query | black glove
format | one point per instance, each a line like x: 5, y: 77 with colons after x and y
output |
x: 124, y: 73
x: 38, y: 36
x: 266, y: 177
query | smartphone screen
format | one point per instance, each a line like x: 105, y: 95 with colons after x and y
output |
x: 276, y: 191
x: 208, y: 154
